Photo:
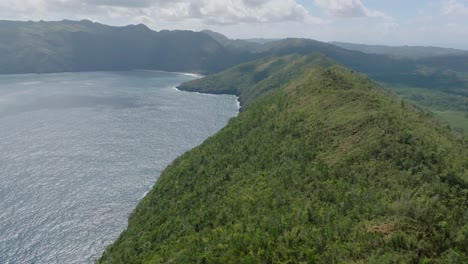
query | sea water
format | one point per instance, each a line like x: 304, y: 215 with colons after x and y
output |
x: 78, y: 151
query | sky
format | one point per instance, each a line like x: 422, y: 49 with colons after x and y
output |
x: 392, y: 22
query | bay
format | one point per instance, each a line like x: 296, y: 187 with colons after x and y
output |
x: 78, y: 151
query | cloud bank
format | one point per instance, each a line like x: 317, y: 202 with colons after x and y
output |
x: 348, y: 9
x: 454, y: 7
x: 204, y: 11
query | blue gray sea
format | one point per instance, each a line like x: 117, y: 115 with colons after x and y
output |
x: 78, y: 151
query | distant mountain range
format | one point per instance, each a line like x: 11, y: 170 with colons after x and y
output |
x: 37, y: 47
x: 446, y: 69
x: 410, y: 52
x: 67, y: 46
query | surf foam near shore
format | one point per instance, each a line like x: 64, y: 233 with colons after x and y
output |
x: 196, y: 75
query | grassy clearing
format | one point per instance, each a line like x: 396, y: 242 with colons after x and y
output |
x: 449, y: 108
x: 455, y: 119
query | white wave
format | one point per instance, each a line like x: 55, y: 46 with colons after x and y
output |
x: 29, y: 83
x: 145, y: 194
x: 196, y: 75
x: 88, y: 84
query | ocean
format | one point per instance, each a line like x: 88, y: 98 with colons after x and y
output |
x: 78, y: 151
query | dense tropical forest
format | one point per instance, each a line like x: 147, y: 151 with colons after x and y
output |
x: 321, y: 166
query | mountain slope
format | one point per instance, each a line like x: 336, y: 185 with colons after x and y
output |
x: 326, y: 168
x: 256, y: 79
x: 446, y: 72
x: 237, y: 45
x: 442, y: 73
x: 36, y: 47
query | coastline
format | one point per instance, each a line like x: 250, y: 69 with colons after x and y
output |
x: 238, y: 104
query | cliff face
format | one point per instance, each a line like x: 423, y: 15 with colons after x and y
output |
x: 323, y: 166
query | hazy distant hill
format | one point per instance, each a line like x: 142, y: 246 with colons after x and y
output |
x: 437, y: 72
x: 27, y: 47
x: 411, y: 52
x: 261, y: 40
x: 237, y: 45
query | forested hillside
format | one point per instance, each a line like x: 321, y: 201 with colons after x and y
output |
x: 258, y: 78
x: 434, y: 78
x: 38, y: 47
x: 320, y: 167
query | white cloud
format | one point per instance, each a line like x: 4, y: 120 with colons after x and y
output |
x: 204, y: 11
x: 454, y: 7
x: 233, y: 11
x: 436, y: 23
x: 348, y: 9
